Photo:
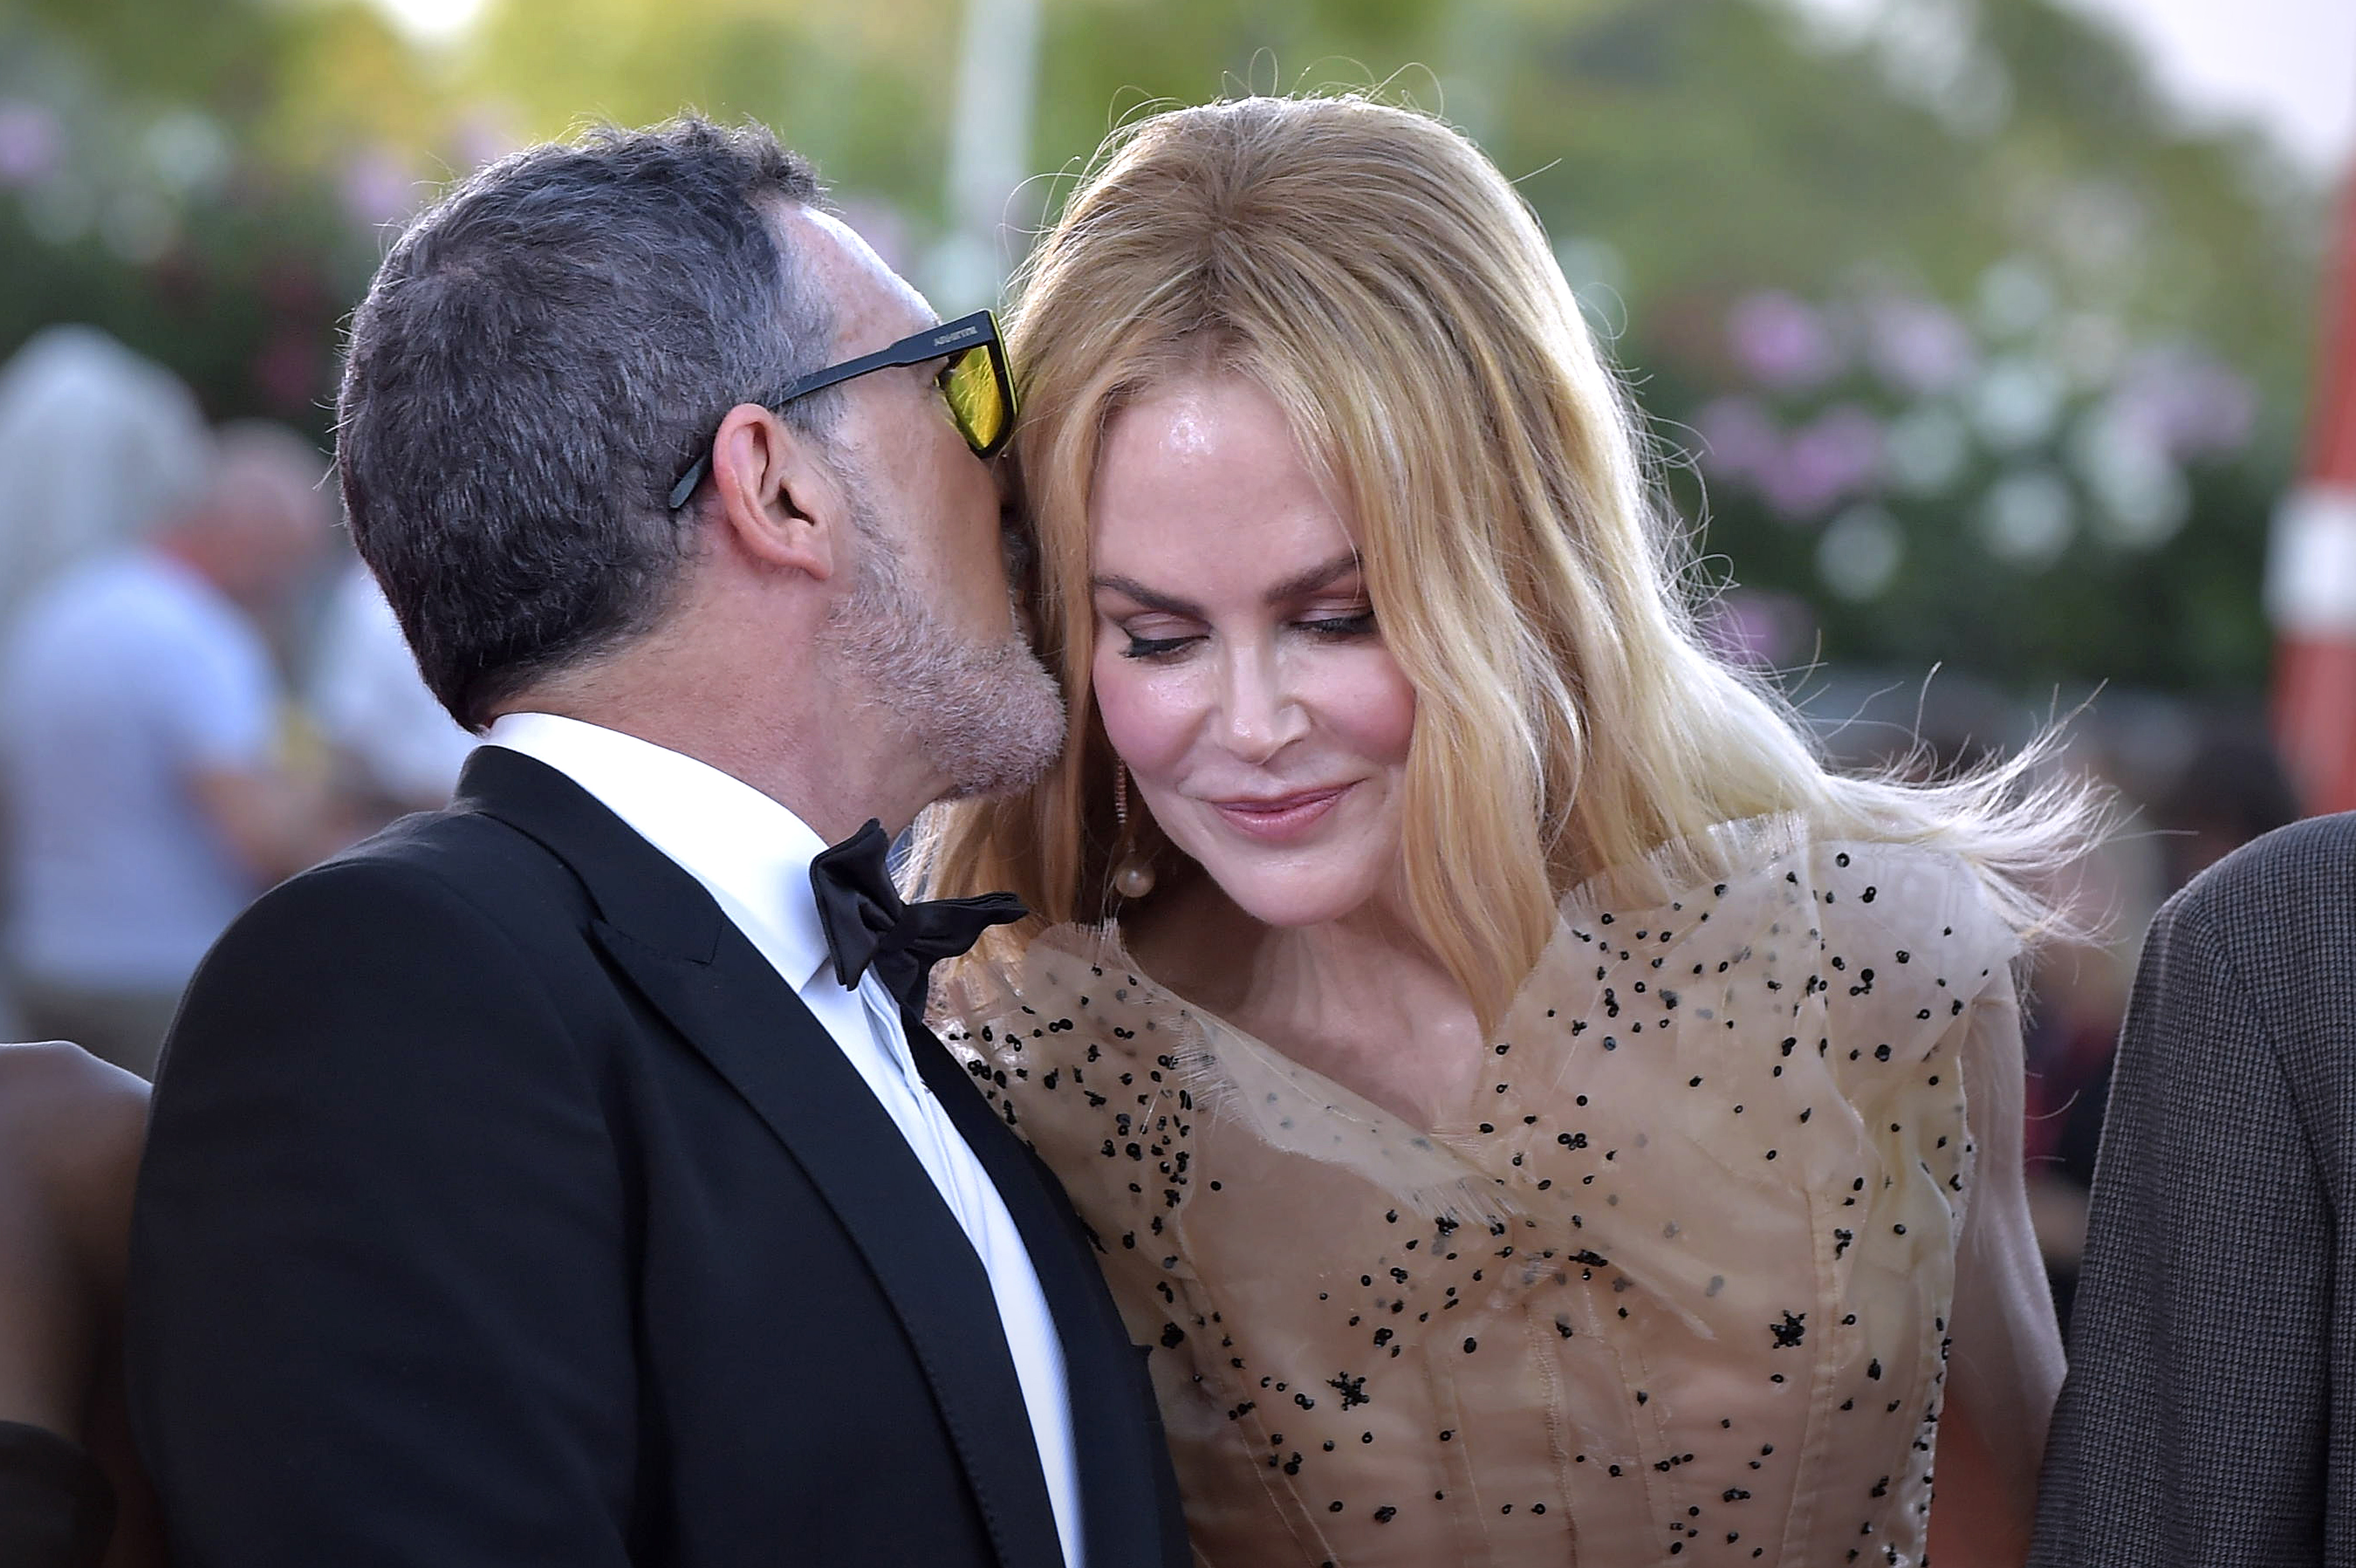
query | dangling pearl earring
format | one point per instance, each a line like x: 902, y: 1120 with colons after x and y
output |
x: 1132, y: 876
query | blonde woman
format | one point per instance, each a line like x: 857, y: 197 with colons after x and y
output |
x: 1532, y: 1110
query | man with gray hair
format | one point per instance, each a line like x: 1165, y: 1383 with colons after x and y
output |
x: 568, y: 1177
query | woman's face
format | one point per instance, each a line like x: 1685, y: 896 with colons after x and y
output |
x: 1238, y: 666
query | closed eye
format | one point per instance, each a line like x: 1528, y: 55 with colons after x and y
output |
x: 1155, y: 647
x: 1340, y: 626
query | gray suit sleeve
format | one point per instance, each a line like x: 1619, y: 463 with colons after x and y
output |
x: 2193, y: 1426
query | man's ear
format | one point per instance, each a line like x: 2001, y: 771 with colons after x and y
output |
x: 779, y: 498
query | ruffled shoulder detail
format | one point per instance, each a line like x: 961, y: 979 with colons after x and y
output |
x: 1891, y: 943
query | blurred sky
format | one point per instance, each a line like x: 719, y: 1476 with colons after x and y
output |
x: 432, y: 19
x: 2287, y: 65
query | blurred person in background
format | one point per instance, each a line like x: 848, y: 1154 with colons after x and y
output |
x: 96, y: 444
x: 1533, y: 1107
x: 2232, y: 790
x: 145, y: 806
x: 397, y: 750
x: 2207, y: 1415
x: 71, y: 1494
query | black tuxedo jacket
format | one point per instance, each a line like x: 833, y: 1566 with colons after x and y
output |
x: 502, y: 1206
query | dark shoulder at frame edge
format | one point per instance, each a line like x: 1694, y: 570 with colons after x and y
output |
x: 2284, y: 867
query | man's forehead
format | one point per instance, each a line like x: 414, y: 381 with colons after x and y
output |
x: 866, y: 293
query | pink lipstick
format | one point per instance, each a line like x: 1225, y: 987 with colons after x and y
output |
x: 1279, y: 818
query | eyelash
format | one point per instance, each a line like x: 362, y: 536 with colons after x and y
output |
x: 1340, y: 628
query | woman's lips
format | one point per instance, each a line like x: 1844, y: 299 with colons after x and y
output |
x: 1280, y: 817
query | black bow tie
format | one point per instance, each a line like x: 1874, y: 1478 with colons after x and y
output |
x: 866, y: 923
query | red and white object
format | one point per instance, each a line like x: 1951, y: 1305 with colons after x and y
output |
x: 2311, y: 563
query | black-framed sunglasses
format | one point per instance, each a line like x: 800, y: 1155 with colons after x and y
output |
x: 975, y: 384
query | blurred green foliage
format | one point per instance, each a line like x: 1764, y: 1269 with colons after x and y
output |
x: 215, y: 193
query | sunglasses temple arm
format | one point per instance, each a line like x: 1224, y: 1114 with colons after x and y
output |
x: 688, y: 482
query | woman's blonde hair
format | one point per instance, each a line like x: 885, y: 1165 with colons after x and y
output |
x: 1378, y: 276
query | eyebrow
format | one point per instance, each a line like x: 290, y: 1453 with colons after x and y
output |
x: 1321, y: 575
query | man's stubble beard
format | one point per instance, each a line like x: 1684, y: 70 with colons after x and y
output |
x: 986, y: 716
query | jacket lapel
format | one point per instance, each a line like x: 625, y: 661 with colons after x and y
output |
x: 663, y: 931
x: 1130, y: 1512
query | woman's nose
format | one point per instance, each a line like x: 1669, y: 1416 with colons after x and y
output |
x: 1262, y: 713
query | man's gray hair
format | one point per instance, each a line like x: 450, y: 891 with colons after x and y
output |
x: 541, y: 356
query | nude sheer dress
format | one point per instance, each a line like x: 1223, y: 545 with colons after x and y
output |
x: 1672, y: 1288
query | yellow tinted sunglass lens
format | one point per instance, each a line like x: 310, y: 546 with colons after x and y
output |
x: 975, y: 399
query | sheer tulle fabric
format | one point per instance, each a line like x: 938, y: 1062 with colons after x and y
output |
x: 1673, y: 1287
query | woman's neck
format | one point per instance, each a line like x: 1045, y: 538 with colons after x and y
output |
x: 1359, y: 999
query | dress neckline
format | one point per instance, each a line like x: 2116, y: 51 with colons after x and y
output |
x: 1115, y: 949
x: 1679, y: 868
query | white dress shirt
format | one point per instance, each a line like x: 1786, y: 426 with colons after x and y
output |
x: 753, y: 855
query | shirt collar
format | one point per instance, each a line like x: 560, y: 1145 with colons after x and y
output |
x: 752, y: 854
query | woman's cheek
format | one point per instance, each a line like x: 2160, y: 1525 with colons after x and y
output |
x: 1392, y: 710
x: 1365, y: 700
x: 1144, y: 711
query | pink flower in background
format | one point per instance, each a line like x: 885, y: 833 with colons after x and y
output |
x: 1919, y: 348
x: 379, y: 188
x: 2186, y: 403
x: 1836, y: 457
x: 293, y: 287
x: 1782, y: 342
x: 1802, y: 476
x: 31, y: 142
x: 290, y: 373
x: 484, y: 135
x: 1739, y: 437
x: 1761, y: 627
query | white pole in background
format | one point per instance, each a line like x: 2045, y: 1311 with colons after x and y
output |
x: 990, y: 151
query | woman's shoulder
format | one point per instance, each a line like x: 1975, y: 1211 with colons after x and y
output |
x: 60, y: 1068
x: 71, y: 1126
x: 1875, y: 927
x: 54, y: 1094
x: 1847, y: 879
x: 70, y: 1131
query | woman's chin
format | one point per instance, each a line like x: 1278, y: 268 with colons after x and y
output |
x: 1293, y: 903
